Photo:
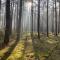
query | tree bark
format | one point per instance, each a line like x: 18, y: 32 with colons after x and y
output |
x: 47, y: 19
x: 8, y: 22
x: 55, y: 19
x: 59, y: 20
x: 38, y: 27
x: 19, y: 21
x: 0, y: 4
x: 32, y: 19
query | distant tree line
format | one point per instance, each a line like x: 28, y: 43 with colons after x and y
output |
x: 18, y: 5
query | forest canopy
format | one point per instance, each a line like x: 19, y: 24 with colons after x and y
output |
x: 29, y: 29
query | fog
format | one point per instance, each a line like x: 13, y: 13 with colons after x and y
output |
x: 26, y: 15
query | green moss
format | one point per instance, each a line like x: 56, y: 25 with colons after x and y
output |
x: 17, y: 52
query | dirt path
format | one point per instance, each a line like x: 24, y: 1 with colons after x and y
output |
x: 29, y: 51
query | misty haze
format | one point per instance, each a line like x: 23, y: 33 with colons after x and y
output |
x: 29, y: 29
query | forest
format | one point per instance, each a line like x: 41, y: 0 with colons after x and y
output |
x: 29, y: 29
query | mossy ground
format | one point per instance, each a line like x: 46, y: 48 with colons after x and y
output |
x: 32, y: 48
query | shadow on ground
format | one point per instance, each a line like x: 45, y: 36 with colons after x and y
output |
x: 7, y: 54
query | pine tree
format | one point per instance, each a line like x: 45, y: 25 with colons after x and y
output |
x: 8, y: 22
x: 38, y: 19
x: 47, y: 18
x: 19, y: 21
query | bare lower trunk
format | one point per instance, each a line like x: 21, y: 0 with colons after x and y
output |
x: 8, y: 22
x: 38, y: 27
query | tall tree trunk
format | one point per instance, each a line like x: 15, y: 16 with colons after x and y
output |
x: 11, y: 16
x: 47, y: 19
x: 19, y: 21
x: 8, y: 21
x: 32, y: 19
x: 17, y: 17
x: 55, y: 19
x: 43, y: 20
x: 0, y: 8
x: 0, y: 4
x: 38, y: 27
x: 59, y: 20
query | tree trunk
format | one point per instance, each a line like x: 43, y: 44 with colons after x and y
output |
x: 32, y: 19
x: 19, y: 21
x: 43, y: 20
x: 38, y: 27
x: 47, y: 18
x: 0, y: 4
x: 11, y: 16
x: 55, y: 19
x: 59, y: 20
x: 8, y: 22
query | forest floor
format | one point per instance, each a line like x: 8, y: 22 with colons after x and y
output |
x: 27, y: 48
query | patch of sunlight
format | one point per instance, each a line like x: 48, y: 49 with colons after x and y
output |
x: 59, y: 34
x: 35, y: 33
x: 44, y: 54
x: 17, y: 53
x: 28, y: 34
x: 51, y: 41
x: 3, y: 51
x: 42, y: 58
